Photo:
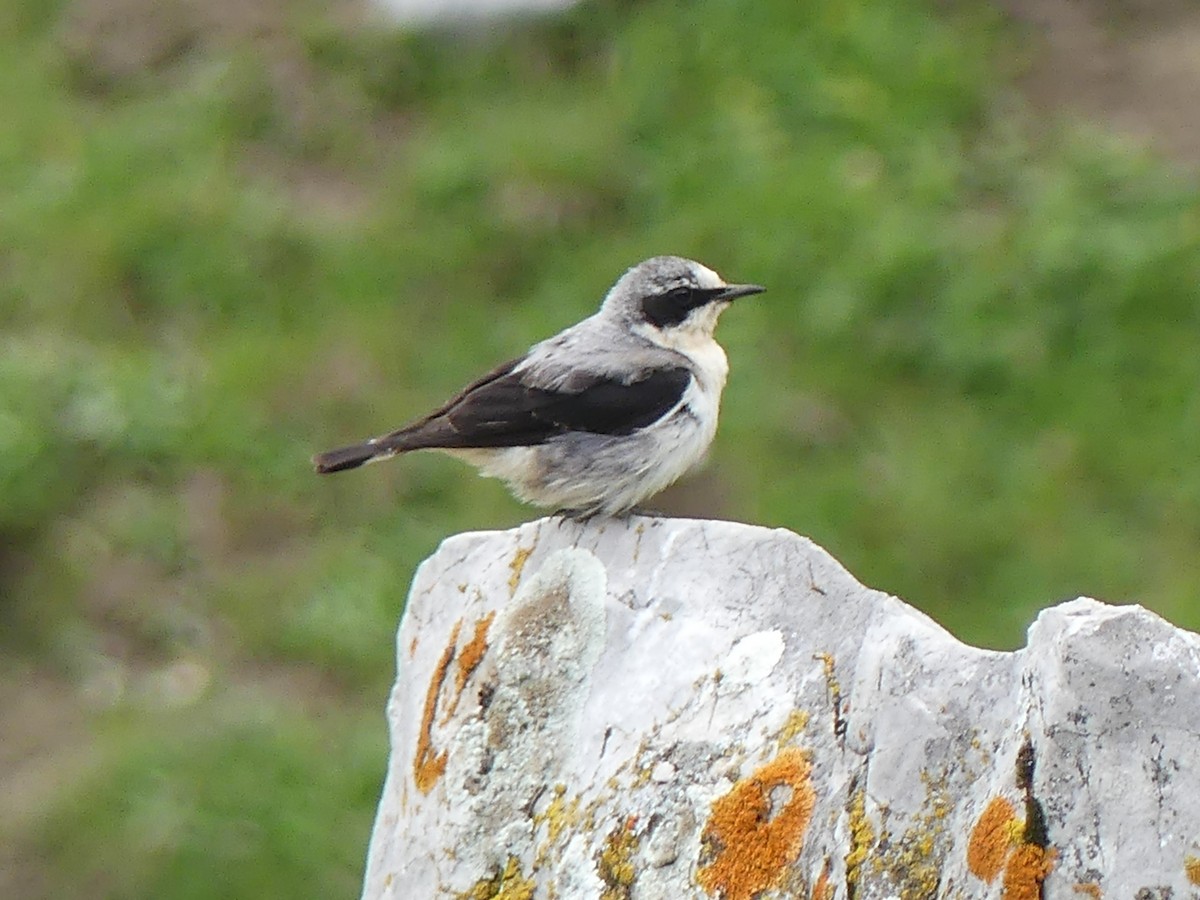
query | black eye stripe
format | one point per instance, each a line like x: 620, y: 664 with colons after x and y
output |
x: 672, y: 307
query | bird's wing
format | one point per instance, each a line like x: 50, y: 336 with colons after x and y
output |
x: 504, y: 409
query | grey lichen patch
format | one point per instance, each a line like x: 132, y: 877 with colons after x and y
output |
x: 547, y: 642
x: 509, y: 755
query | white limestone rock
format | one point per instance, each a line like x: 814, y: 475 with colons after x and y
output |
x: 425, y: 12
x: 665, y: 709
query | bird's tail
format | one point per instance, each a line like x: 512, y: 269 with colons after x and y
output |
x: 353, y: 456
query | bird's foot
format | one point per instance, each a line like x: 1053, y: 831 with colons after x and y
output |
x: 581, y: 516
x: 646, y: 512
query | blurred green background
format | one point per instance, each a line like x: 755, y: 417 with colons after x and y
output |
x: 234, y: 233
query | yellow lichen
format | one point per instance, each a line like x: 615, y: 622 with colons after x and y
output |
x: 1191, y: 867
x: 559, y: 815
x: 1090, y: 888
x: 835, y: 693
x: 936, y: 797
x: 911, y: 863
x: 508, y: 884
x: 1025, y: 871
x: 757, y: 829
x: 614, y: 862
x: 517, y: 566
x: 862, y: 837
x: 428, y: 765
x: 797, y: 721
x: 827, y: 663
x: 991, y: 840
x: 1016, y: 831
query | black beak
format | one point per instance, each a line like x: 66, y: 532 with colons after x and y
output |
x: 733, y: 291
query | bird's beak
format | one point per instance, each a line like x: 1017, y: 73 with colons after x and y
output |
x: 733, y: 291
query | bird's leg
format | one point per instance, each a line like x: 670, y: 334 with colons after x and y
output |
x: 579, y: 516
x: 565, y: 515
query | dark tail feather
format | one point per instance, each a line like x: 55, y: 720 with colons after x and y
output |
x: 349, y: 457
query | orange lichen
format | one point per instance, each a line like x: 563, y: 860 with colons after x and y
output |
x: 999, y: 841
x: 1091, y: 888
x: 822, y: 889
x: 428, y: 765
x: 756, y: 830
x: 472, y: 653
x: 1191, y: 868
x: 1027, y: 868
x: 991, y: 840
x: 517, y: 566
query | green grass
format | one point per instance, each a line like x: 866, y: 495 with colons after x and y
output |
x: 972, y: 379
x: 222, y: 803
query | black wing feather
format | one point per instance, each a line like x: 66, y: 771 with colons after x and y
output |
x: 501, y: 410
x: 612, y: 407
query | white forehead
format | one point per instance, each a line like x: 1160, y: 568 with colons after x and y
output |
x: 706, y: 277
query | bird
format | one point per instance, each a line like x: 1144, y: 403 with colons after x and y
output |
x: 600, y: 417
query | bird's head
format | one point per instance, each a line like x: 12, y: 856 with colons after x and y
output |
x: 673, y: 300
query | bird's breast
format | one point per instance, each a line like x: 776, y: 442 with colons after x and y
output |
x: 709, y: 363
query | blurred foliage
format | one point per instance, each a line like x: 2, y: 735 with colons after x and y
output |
x: 233, y: 235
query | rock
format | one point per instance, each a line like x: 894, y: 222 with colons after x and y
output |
x: 433, y: 11
x: 664, y: 709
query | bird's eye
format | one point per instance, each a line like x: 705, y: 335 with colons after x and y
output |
x: 683, y: 297
x: 670, y: 308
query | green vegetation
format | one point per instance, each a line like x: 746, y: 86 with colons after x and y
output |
x: 224, y: 245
